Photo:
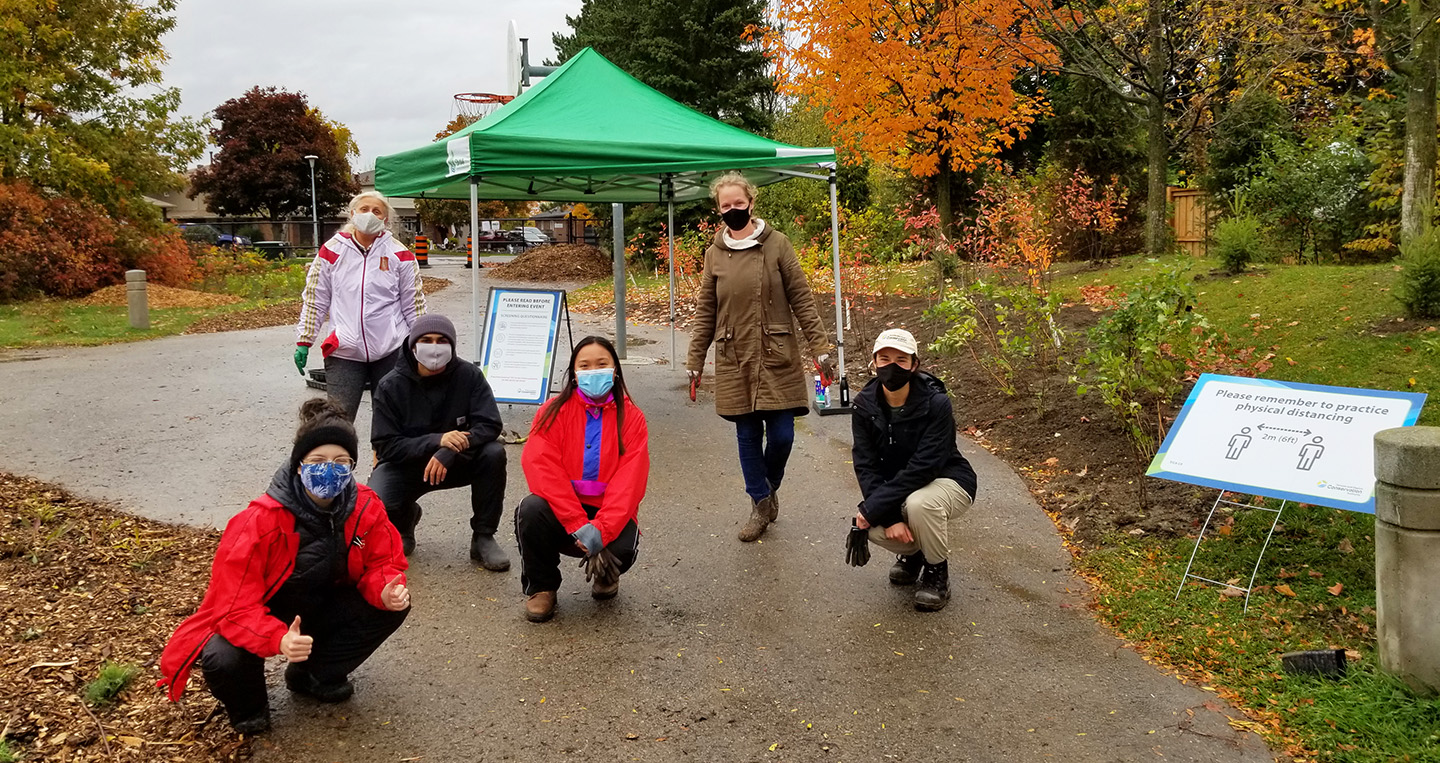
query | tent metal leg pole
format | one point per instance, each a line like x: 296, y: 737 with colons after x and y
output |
x: 835, y: 254
x: 617, y: 212
x: 475, y: 271
x: 670, y: 233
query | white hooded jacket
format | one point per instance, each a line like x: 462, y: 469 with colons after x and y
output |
x: 371, y: 297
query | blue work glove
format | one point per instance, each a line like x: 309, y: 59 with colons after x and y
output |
x: 302, y: 354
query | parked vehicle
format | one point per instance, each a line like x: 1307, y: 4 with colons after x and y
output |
x: 534, y: 236
x: 209, y: 234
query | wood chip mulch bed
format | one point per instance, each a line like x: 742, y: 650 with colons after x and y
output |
x: 158, y: 297
x: 82, y: 584
x: 277, y: 314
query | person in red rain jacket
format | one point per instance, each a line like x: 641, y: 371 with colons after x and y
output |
x: 312, y: 570
x: 587, y: 462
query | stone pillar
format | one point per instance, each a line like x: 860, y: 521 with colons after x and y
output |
x: 139, y: 302
x: 1407, y: 554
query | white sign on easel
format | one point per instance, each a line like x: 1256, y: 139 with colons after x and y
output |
x: 1305, y: 443
x: 1299, y: 442
x: 521, y: 328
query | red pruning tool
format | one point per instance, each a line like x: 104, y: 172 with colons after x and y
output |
x: 694, y: 385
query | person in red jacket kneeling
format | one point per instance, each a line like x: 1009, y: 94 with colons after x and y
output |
x: 312, y: 570
x: 587, y: 462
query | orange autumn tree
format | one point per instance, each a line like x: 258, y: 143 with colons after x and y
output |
x: 921, y: 86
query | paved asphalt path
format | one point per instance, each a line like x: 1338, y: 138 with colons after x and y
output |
x: 713, y: 651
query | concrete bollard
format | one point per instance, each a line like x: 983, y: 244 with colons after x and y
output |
x: 1407, y: 554
x: 139, y: 302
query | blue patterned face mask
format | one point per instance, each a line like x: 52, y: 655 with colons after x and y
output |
x: 325, y: 480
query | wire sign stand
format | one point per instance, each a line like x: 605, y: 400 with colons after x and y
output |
x: 1220, y: 499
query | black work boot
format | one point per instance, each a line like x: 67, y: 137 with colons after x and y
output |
x: 407, y: 528
x: 487, y: 552
x: 934, y: 591
x: 907, y: 568
x: 300, y: 681
x: 257, y: 724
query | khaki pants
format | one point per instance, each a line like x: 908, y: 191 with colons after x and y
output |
x: 928, y: 512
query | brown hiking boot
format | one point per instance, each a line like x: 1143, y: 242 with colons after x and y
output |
x: 758, y: 521
x: 602, y: 589
x: 772, y: 503
x: 540, y: 607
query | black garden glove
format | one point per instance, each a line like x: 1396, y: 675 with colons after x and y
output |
x: 857, y: 546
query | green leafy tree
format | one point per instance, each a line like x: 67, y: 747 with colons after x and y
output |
x: 1408, y: 37
x: 702, y: 53
x: 264, y: 137
x: 83, y: 112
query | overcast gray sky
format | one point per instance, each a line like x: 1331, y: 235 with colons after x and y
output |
x: 385, y: 68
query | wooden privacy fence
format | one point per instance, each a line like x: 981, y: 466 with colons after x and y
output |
x: 1191, y: 220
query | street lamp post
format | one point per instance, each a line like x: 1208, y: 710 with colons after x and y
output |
x: 314, y: 211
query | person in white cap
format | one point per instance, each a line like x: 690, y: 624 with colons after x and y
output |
x: 910, y: 469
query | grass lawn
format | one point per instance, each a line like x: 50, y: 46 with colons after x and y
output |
x: 66, y: 323
x: 1316, y: 590
x: 60, y: 323
x: 1326, y: 324
x: 1334, y: 325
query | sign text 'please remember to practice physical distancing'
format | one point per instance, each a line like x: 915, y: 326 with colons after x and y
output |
x: 1299, y: 442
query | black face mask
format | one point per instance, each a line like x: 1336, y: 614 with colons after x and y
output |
x: 736, y: 218
x: 893, y: 377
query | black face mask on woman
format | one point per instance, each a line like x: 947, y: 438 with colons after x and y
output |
x: 736, y: 218
x: 893, y: 377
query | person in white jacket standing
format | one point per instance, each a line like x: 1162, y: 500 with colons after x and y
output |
x: 367, y: 285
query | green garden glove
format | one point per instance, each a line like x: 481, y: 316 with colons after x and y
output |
x: 302, y: 354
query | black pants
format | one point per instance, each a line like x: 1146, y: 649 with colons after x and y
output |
x: 346, y: 631
x: 399, y: 485
x: 543, y: 539
x: 345, y: 380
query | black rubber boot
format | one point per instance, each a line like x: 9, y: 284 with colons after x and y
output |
x: 907, y: 569
x: 407, y: 532
x: 299, y: 680
x: 934, y: 591
x: 485, y: 551
x: 258, y: 724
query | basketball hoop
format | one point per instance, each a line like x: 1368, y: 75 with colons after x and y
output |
x: 476, y: 106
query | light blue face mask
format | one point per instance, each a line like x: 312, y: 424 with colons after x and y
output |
x: 596, y: 383
x: 325, y: 480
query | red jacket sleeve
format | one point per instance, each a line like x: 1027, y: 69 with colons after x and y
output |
x: 239, y: 586
x: 625, y: 488
x: 543, y: 463
x: 381, y: 556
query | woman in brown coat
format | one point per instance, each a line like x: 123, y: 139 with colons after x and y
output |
x: 752, y: 292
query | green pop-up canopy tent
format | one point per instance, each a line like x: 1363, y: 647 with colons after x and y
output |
x: 589, y: 132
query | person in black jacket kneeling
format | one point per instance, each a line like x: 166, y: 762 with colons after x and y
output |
x: 436, y: 427
x: 910, y: 470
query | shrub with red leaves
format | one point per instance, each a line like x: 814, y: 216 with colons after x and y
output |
x: 63, y: 247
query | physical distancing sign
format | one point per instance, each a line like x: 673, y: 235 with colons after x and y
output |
x: 1297, y: 442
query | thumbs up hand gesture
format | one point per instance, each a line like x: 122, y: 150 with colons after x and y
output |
x: 395, y: 595
x: 295, y: 646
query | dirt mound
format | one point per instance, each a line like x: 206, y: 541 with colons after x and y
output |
x: 159, y: 297
x: 557, y: 262
x: 87, y: 585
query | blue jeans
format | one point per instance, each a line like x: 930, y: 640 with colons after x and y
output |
x: 765, y: 439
